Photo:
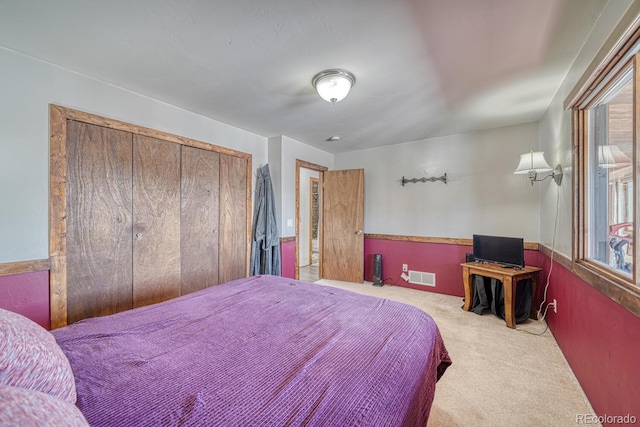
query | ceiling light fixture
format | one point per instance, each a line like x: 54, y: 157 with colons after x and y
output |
x: 334, y: 84
x: 534, y: 163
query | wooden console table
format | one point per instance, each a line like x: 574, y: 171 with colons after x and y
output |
x: 509, y: 278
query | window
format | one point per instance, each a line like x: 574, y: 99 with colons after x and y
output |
x: 605, y: 162
x: 610, y: 177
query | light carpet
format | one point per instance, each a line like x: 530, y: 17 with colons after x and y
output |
x: 499, y: 376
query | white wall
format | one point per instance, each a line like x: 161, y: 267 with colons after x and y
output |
x: 482, y: 196
x: 556, y: 129
x: 283, y: 153
x: 27, y: 87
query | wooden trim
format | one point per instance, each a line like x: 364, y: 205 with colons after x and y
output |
x: 636, y: 162
x: 617, y: 45
x: 19, y: 267
x: 58, y: 215
x: 321, y: 169
x: 81, y: 116
x: 58, y: 193
x: 311, y: 181
x: 531, y: 246
x: 576, y: 196
x: 287, y: 239
x: 249, y: 215
x: 296, y: 264
x: 627, y: 298
x: 313, y: 166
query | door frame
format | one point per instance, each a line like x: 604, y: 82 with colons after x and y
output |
x: 321, y: 169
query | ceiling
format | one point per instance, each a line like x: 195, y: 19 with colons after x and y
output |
x: 423, y: 68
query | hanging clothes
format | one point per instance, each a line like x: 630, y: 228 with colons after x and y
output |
x: 265, y: 248
x: 489, y: 293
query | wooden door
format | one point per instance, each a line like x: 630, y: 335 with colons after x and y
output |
x: 156, y: 219
x: 200, y: 200
x: 233, y: 235
x: 343, y: 222
x: 98, y: 220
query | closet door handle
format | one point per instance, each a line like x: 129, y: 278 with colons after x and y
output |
x: 359, y: 232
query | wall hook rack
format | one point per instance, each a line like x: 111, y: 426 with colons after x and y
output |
x: 442, y: 178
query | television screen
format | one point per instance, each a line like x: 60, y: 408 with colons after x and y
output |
x: 508, y: 251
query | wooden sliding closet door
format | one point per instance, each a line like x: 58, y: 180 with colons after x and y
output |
x: 139, y: 216
x: 233, y: 217
x: 199, y: 218
x: 99, y: 222
x: 156, y: 219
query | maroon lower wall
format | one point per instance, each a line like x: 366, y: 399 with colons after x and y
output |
x: 27, y: 294
x: 288, y: 258
x: 442, y: 259
x: 600, y: 340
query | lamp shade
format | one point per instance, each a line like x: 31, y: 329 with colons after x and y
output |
x: 333, y: 85
x: 532, y: 162
x: 610, y: 156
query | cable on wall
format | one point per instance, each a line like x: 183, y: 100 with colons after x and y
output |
x: 548, y: 281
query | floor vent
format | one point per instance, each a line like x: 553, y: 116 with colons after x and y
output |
x: 422, y: 278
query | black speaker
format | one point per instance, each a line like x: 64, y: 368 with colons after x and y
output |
x: 469, y: 257
x: 377, y: 270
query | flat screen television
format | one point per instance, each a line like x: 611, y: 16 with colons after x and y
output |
x: 508, y: 251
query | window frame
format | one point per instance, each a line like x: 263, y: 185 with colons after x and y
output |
x: 619, y: 286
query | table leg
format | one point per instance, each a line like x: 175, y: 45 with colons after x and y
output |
x: 534, y: 296
x: 509, y: 306
x: 468, y: 291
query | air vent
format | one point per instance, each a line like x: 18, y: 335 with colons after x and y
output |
x: 422, y: 278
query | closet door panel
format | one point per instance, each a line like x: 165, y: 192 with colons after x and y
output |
x: 233, y: 217
x: 99, y: 223
x: 156, y: 219
x: 199, y: 219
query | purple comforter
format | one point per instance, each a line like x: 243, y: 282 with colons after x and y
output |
x: 262, y: 351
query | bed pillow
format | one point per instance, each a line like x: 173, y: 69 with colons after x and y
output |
x: 22, y: 407
x: 31, y: 358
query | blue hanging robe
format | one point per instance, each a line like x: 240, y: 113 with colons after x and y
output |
x: 265, y: 248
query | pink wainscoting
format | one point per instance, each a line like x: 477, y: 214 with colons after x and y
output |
x: 27, y: 294
x: 442, y: 259
x: 288, y: 258
x: 601, y: 341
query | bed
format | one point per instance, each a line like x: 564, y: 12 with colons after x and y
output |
x: 259, y: 351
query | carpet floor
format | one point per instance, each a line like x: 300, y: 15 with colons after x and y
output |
x: 499, y: 376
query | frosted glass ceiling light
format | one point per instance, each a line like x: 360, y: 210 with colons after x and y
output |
x: 333, y: 85
x: 533, y: 163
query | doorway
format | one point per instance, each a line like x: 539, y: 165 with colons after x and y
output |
x: 308, y: 220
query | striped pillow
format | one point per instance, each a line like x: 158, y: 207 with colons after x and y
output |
x: 20, y: 407
x: 31, y: 358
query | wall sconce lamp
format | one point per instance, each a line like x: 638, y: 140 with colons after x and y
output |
x: 534, y: 163
x: 333, y: 85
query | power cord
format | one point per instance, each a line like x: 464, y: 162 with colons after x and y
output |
x: 546, y: 287
x: 546, y: 325
x: 390, y: 284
